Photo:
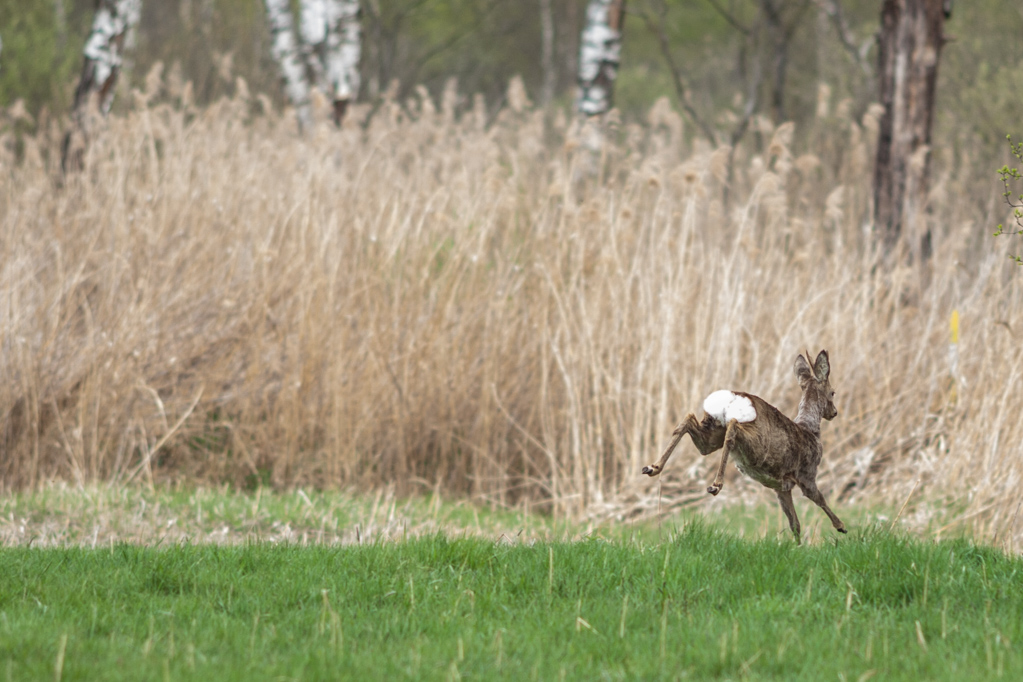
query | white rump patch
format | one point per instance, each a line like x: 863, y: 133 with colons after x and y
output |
x: 724, y: 406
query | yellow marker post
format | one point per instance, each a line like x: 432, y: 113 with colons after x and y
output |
x: 953, y: 355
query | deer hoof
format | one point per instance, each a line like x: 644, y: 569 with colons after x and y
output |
x: 842, y: 530
x: 714, y: 489
x: 652, y: 470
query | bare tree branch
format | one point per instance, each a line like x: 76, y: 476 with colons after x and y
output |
x: 834, y: 10
x: 796, y: 19
x: 453, y: 39
x: 656, y: 26
x: 385, y: 32
x: 729, y: 17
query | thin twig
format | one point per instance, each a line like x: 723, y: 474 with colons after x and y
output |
x: 160, y: 443
x: 896, y: 519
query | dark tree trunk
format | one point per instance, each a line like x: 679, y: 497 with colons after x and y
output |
x: 779, y: 59
x: 568, y: 48
x: 547, y: 52
x: 782, y: 20
x: 909, y: 49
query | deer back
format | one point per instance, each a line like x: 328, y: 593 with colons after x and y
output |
x: 774, y: 445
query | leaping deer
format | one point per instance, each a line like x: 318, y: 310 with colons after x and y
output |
x: 767, y: 446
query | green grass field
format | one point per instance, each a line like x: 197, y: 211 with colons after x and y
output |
x: 702, y: 604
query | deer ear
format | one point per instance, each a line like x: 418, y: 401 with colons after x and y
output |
x: 802, y: 369
x: 821, y: 367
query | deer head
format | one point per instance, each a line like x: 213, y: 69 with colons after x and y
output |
x: 817, y: 401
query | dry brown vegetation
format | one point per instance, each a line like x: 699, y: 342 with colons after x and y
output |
x: 60, y: 515
x: 489, y: 310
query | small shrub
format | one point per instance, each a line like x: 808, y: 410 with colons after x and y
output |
x: 1009, y: 176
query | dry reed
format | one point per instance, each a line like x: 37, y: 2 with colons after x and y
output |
x: 487, y: 309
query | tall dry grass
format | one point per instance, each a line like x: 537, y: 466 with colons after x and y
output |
x: 488, y: 309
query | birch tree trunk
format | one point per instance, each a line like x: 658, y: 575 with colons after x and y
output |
x: 103, y: 51
x: 103, y: 56
x: 599, y: 55
x: 332, y: 47
x: 909, y: 48
x: 285, y: 51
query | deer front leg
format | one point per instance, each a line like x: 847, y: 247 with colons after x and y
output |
x: 785, y: 499
x: 707, y: 437
x: 810, y: 489
x: 729, y: 442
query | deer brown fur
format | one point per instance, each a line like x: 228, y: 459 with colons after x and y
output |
x: 776, y: 451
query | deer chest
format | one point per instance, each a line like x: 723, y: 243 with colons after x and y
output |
x: 763, y: 470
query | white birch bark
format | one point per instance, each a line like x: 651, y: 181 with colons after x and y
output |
x: 312, y: 30
x: 103, y: 51
x: 285, y: 51
x: 332, y: 46
x: 101, y: 65
x: 600, y: 52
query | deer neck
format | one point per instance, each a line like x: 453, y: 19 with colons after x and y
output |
x: 809, y: 415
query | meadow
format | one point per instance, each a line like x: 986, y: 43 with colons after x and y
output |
x: 699, y: 605
x: 441, y: 298
x: 373, y: 403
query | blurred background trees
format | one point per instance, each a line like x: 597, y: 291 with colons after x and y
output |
x: 720, y: 50
x: 484, y: 43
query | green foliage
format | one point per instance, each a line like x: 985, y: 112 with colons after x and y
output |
x: 703, y: 605
x: 699, y: 35
x: 209, y: 43
x: 1010, y: 176
x: 41, y: 52
x: 987, y: 96
x: 483, y: 43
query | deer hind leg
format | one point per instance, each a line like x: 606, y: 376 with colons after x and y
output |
x: 785, y: 499
x: 707, y: 437
x: 809, y: 489
x: 729, y: 443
